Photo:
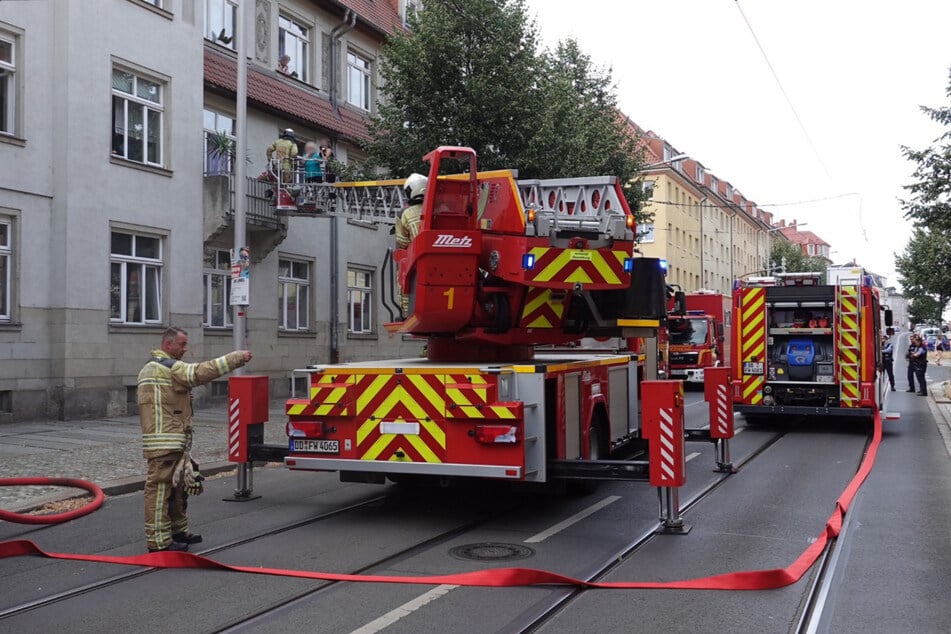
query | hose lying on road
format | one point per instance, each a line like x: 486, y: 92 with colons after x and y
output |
x: 56, y: 518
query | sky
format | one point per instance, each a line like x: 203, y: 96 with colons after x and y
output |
x: 851, y: 77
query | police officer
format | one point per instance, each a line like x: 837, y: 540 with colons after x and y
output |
x: 407, y: 225
x: 888, y: 359
x: 917, y: 357
x: 165, y: 408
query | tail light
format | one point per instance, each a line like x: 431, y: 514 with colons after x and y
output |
x: 496, y: 434
x: 305, y: 429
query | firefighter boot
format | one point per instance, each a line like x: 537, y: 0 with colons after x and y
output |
x: 174, y: 546
x: 186, y: 538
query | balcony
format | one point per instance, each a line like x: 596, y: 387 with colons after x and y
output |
x: 265, y: 229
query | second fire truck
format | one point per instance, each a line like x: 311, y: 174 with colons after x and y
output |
x: 801, y: 347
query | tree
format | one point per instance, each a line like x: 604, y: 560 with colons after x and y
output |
x: 788, y: 257
x: 465, y: 75
x: 924, y: 309
x: 930, y: 202
x: 470, y: 74
x: 924, y: 268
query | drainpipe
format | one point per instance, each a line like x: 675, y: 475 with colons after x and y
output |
x: 349, y: 21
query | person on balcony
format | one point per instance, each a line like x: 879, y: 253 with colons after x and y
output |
x: 282, y: 152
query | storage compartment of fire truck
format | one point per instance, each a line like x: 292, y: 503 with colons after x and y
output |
x: 800, y: 346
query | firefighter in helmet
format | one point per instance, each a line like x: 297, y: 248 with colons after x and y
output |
x: 284, y: 149
x: 407, y: 225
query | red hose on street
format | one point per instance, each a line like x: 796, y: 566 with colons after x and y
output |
x: 21, y: 518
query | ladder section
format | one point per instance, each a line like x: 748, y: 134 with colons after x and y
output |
x: 847, y: 343
x: 593, y: 205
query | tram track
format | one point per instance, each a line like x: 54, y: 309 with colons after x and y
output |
x: 134, y: 574
x: 813, y: 610
x: 557, y: 602
x: 530, y: 620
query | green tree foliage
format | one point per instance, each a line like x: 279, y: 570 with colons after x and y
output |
x: 924, y: 310
x: 924, y: 268
x: 470, y: 73
x: 465, y: 75
x: 787, y: 257
x: 930, y: 202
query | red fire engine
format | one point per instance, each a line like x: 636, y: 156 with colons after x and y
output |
x: 700, y: 337
x: 499, y: 266
x: 805, y: 348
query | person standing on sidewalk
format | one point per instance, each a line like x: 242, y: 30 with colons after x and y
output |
x: 165, y: 409
x: 917, y: 357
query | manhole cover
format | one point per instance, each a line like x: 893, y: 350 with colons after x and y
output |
x: 492, y: 551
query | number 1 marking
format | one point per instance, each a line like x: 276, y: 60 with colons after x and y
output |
x: 449, y: 294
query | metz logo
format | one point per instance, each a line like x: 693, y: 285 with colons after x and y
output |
x: 447, y: 240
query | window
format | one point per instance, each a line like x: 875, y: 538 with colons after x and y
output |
x: 648, y: 187
x: 7, y: 85
x: 293, y: 41
x: 645, y: 232
x: 217, y: 285
x: 137, y: 114
x: 220, y: 18
x: 360, y: 301
x: 135, y: 295
x: 293, y: 295
x: 358, y: 81
x: 410, y: 8
x: 219, y: 142
x: 6, y: 264
x: 701, y: 173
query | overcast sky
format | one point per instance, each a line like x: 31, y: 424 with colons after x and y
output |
x: 855, y: 72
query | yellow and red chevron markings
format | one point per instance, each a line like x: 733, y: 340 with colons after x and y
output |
x: 429, y: 400
x: 847, y: 345
x: 561, y: 268
x: 753, y: 342
x: 541, y: 309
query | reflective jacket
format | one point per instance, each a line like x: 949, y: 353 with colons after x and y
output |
x: 164, y: 398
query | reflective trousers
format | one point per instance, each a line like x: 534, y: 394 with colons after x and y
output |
x: 165, y: 505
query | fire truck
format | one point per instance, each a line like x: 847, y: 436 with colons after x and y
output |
x: 699, y: 337
x: 802, y: 347
x: 500, y: 267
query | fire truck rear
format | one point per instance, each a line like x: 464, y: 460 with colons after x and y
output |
x: 805, y: 348
x: 499, y: 266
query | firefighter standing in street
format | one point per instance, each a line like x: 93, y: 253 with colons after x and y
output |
x: 165, y: 407
x: 407, y: 225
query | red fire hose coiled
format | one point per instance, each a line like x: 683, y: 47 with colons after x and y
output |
x: 20, y: 518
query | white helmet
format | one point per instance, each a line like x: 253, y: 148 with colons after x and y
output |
x: 415, y: 186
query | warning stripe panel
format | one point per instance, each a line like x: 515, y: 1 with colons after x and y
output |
x: 542, y: 310
x: 752, y: 326
x: 570, y: 266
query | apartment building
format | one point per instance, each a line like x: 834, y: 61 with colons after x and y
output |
x: 116, y: 215
x: 708, y: 232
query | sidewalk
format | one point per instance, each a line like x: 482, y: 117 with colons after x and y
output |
x: 105, y: 451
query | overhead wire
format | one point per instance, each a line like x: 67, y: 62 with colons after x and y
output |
x: 795, y: 113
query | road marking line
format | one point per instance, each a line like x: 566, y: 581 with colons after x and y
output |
x: 691, y: 456
x: 394, y: 615
x: 736, y: 432
x: 577, y: 517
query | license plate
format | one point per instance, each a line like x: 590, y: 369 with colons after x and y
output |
x: 752, y: 367
x: 316, y: 446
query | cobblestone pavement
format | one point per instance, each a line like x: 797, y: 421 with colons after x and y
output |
x: 105, y: 451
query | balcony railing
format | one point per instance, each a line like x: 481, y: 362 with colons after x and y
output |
x: 260, y: 209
